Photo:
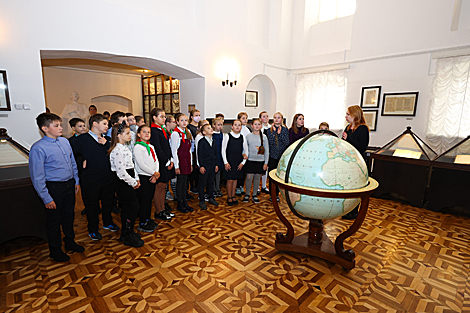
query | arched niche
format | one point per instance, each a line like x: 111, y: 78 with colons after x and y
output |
x: 267, y: 95
x: 112, y: 103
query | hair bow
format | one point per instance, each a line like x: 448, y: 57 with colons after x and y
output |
x: 121, y: 127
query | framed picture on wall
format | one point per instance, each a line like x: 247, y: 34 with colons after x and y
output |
x: 4, y: 93
x: 191, y: 107
x: 251, y: 99
x: 371, y: 119
x: 370, y: 97
x: 400, y: 104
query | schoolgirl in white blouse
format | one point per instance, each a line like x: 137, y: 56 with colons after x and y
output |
x: 127, y: 180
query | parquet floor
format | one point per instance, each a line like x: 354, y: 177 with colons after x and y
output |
x: 223, y: 260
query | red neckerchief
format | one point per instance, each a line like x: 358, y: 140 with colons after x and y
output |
x: 183, y: 134
x: 159, y: 127
x: 147, y: 145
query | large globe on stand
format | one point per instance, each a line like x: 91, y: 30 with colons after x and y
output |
x: 324, y: 162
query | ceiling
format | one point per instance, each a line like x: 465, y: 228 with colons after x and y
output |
x: 89, y: 60
x: 97, y: 65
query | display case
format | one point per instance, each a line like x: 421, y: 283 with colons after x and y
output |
x: 402, y: 168
x: 22, y: 211
x: 160, y: 91
x: 450, y: 179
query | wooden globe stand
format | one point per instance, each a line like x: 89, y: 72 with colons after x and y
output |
x: 315, y: 242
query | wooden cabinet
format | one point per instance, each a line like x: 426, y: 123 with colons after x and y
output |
x: 160, y: 91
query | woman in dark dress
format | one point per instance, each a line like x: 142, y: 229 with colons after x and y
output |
x: 159, y: 139
x: 298, y: 129
x: 357, y: 134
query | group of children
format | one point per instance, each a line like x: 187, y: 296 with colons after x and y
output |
x: 127, y: 161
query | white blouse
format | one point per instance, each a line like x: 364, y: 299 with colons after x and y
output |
x: 225, y: 143
x: 144, y: 163
x: 175, y: 141
x: 121, y: 160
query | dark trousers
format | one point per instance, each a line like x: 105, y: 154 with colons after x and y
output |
x: 95, y: 191
x: 194, y: 176
x: 145, y: 193
x: 129, y: 203
x: 272, y: 164
x: 207, y: 180
x: 63, y: 194
x: 181, y: 187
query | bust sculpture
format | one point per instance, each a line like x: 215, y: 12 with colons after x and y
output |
x: 72, y: 110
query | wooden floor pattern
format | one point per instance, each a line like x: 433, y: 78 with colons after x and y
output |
x: 223, y: 260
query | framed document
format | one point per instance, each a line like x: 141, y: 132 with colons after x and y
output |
x: 400, y: 104
x: 370, y: 97
x: 371, y: 119
x: 4, y: 93
x: 251, y: 99
x: 191, y: 107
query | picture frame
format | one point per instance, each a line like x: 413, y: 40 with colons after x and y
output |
x: 191, y: 107
x: 4, y: 92
x: 370, y: 96
x: 371, y: 119
x: 251, y: 99
x: 400, y: 104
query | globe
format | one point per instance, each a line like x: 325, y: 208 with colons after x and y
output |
x: 324, y: 162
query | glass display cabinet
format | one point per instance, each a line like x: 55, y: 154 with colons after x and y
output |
x: 20, y: 203
x: 160, y: 91
x: 402, y: 168
x: 450, y: 179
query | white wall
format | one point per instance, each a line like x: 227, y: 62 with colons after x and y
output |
x: 391, y: 44
x: 60, y: 82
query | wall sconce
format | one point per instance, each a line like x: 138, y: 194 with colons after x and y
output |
x: 229, y: 83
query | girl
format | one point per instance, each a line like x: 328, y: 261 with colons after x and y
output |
x: 324, y: 126
x: 278, y: 138
x: 170, y: 124
x: 297, y: 130
x: 160, y: 140
x: 234, y: 148
x: 258, y: 157
x: 357, y: 134
x: 194, y: 118
x: 198, y: 137
x: 181, y: 150
x: 243, y: 117
x: 218, y: 125
x: 147, y: 167
x: 264, y: 118
x: 126, y: 180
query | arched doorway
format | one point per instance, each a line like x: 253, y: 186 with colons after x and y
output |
x: 267, y: 96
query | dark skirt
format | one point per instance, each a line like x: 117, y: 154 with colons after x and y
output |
x: 254, y: 167
x: 165, y: 174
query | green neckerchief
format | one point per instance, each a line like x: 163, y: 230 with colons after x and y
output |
x: 143, y: 143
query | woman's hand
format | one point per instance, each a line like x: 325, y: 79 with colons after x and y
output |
x: 345, y: 135
x: 240, y: 166
x: 227, y: 167
x: 279, y: 129
x: 265, y: 167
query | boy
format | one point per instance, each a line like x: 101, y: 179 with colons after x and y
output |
x: 97, y: 179
x: 78, y: 128
x: 139, y: 120
x: 207, y: 159
x: 131, y: 122
x: 107, y: 115
x: 55, y: 177
x: 243, y: 117
x: 217, y: 136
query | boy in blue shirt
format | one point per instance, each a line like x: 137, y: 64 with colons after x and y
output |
x: 55, y: 177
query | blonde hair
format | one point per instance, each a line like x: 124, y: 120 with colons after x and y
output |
x: 324, y: 124
x: 216, y: 120
x: 188, y: 133
x: 204, y: 127
x: 357, y: 114
x: 200, y: 125
x: 272, y: 126
x: 239, y: 116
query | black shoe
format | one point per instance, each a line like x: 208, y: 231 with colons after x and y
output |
x: 213, y: 202
x: 246, y: 198
x: 116, y: 210
x: 351, y: 215
x: 112, y: 227
x: 265, y: 190
x: 238, y: 192
x: 234, y: 200
x: 255, y: 199
x: 152, y: 222
x: 189, y: 197
x: 169, y: 213
x: 168, y: 207
x: 133, y: 240
x: 59, y: 256
x: 146, y: 227
x: 206, y: 197
x: 202, y: 205
x: 83, y: 212
x: 193, y: 190
x: 257, y: 193
x: 230, y: 203
x: 73, y: 246
x: 181, y: 207
x: 186, y: 205
x: 162, y: 216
